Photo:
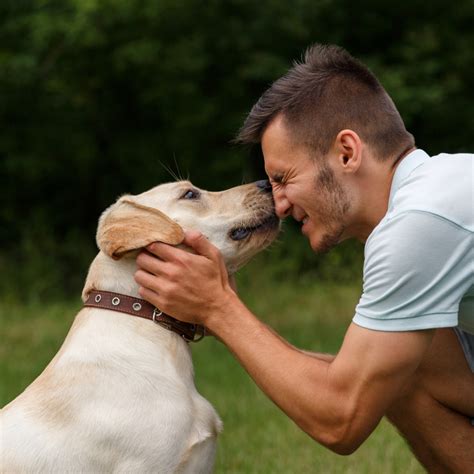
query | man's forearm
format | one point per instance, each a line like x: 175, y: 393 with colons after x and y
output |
x: 317, y: 355
x: 296, y: 381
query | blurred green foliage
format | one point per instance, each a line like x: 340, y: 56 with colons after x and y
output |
x: 95, y: 95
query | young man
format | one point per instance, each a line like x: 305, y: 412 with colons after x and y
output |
x: 340, y: 161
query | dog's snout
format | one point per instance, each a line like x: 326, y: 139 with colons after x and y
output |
x: 264, y: 185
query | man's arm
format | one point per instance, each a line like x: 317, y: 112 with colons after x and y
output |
x: 338, y: 403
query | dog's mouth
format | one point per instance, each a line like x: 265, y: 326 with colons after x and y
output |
x: 270, y: 222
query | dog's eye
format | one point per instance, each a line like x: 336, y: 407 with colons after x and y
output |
x: 240, y: 233
x: 190, y: 194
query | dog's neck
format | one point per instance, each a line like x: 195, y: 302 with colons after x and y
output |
x: 107, y: 274
x: 118, y: 276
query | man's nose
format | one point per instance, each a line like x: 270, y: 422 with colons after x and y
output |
x: 282, y: 208
x: 282, y: 205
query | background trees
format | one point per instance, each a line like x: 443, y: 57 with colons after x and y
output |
x: 97, y: 95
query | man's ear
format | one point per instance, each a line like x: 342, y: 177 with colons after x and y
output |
x: 128, y: 225
x: 348, y: 150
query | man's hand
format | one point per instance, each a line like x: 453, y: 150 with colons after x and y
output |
x: 190, y: 287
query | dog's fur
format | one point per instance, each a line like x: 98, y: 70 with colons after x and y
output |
x: 119, y: 396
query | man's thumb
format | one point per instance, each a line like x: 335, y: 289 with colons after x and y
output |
x: 199, y: 242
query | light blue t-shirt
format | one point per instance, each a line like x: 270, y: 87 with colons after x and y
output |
x: 419, y: 260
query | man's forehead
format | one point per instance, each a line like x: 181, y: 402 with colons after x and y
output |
x: 273, y: 167
x: 279, y: 151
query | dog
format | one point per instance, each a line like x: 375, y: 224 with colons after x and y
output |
x: 119, y: 396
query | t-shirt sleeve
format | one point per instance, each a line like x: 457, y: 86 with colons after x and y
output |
x: 417, y: 268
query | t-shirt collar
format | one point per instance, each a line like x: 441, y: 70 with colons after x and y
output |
x: 405, y: 168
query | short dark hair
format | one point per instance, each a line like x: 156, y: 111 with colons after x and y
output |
x: 328, y: 92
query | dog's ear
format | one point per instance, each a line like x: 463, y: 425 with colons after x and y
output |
x: 128, y: 225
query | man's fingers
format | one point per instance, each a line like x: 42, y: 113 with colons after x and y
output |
x: 151, y: 264
x: 149, y: 296
x: 193, y: 239
x: 201, y: 245
x: 153, y: 289
x: 165, y: 252
x: 143, y: 278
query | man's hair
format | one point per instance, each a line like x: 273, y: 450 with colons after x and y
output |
x: 328, y: 92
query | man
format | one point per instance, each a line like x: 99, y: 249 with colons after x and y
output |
x: 340, y: 161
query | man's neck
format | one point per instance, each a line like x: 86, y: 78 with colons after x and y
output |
x: 400, y: 157
x: 375, y: 194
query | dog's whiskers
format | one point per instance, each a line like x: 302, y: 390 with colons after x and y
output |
x: 180, y: 175
x: 170, y: 171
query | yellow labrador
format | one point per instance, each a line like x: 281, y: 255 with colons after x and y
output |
x: 119, y: 396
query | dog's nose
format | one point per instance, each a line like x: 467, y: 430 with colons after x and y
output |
x: 264, y: 185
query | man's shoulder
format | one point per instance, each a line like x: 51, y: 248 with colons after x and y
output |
x: 452, y: 163
x: 451, y: 156
x: 418, y: 260
x: 400, y: 232
x: 442, y: 186
x: 417, y: 268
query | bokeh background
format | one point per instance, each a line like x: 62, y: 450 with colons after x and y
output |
x: 97, y: 95
x: 104, y: 97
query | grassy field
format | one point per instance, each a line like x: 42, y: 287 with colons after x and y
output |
x: 257, y: 437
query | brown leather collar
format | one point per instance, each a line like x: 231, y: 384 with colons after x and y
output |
x: 143, y: 309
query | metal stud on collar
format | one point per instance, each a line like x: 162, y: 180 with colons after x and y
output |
x: 115, y: 301
x: 137, y: 306
x: 98, y: 298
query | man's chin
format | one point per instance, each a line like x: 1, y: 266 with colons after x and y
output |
x: 322, y: 248
x: 327, y: 242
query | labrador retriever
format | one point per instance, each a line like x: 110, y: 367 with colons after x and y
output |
x: 119, y: 396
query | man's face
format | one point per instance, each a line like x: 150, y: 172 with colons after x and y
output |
x: 305, y: 188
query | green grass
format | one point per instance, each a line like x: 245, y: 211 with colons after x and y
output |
x: 257, y: 437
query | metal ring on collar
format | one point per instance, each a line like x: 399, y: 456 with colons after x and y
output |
x: 156, y: 314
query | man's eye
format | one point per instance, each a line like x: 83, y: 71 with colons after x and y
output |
x: 190, y: 194
x: 278, y: 179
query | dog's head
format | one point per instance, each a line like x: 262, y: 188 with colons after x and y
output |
x: 240, y: 221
